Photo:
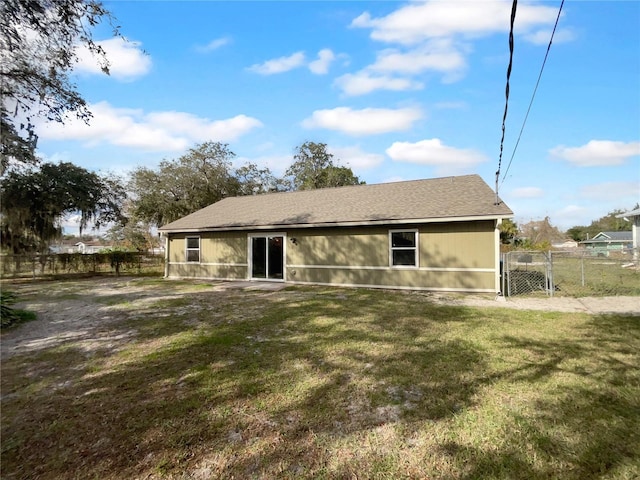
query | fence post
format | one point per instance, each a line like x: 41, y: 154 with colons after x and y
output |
x: 582, y: 268
x: 507, y: 269
x: 550, y: 285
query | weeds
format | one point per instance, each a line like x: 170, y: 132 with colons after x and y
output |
x: 327, y: 383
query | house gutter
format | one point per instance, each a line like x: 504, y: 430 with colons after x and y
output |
x: 336, y: 224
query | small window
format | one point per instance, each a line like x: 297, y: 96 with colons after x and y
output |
x: 403, y: 248
x: 193, y: 249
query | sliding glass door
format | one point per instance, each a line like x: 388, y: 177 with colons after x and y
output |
x: 267, y: 257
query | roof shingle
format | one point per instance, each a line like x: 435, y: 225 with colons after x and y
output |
x: 398, y: 202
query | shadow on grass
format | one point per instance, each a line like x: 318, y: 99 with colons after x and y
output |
x: 253, y: 389
x: 254, y: 385
x: 588, y: 422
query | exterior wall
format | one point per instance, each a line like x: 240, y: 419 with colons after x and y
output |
x: 223, y: 256
x: 452, y: 257
x: 456, y: 256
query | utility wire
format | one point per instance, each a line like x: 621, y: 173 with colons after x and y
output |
x: 506, y: 92
x: 532, y: 96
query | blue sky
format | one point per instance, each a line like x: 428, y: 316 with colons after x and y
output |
x: 398, y: 91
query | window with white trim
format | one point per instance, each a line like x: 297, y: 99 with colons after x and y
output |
x: 192, y: 249
x: 403, y: 248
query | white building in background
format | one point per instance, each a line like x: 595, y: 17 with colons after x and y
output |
x: 90, y: 247
x: 634, y: 217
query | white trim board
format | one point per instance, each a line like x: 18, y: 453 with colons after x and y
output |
x: 394, y: 269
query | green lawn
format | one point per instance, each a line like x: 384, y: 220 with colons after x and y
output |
x: 323, y: 383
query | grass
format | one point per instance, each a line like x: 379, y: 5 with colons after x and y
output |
x: 325, y: 383
x: 594, y: 276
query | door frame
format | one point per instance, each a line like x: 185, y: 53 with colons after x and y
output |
x: 267, y: 235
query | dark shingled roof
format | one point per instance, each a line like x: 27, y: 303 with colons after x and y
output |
x: 437, y: 199
x: 615, y: 236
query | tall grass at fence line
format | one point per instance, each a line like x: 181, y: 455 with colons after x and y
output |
x: 576, y: 274
x: 594, y: 276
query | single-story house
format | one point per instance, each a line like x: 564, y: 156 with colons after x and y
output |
x: 437, y: 234
x: 63, y: 246
x: 565, y: 244
x: 604, y: 243
x: 91, y: 246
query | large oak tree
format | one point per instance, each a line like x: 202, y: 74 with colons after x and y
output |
x: 38, y: 50
x: 314, y: 167
x: 202, y: 176
x: 35, y: 201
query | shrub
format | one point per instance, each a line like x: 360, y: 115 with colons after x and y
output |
x: 8, y: 315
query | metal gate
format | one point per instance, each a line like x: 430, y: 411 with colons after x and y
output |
x: 526, y: 273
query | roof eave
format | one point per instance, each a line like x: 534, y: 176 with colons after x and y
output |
x: 404, y: 221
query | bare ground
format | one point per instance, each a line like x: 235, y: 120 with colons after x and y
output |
x: 91, y: 323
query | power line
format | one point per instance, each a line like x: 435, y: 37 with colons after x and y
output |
x: 506, y: 91
x: 533, y: 96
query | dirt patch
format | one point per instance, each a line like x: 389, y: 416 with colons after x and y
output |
x: 87, y: 312
x: 590, y: 305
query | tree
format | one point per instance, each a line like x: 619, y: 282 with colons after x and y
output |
x: 38, y: 47
x: 508, y: 232
x: 314, y: 168
x: 253, y: 180
x: 132, y: 235
x: 34, y: 201
x: 179, y: 187
x: 608, y: 223
x: 14, y: 147
x: 540, y: 234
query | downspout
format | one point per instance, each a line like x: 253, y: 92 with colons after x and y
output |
x: 635, y: 240
x: 496, y: 235
x: 166, y: 254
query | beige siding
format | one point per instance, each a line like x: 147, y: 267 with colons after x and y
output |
x: 452, y: 256
x: 198, y: 270
x: 222, y: 255
x: 340, y: 246
x: 460, y: 244
x: 396, y: 278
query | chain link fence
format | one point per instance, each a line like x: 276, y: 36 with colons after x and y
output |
x: 526, y: 273
x: 65, y: 264
x: 569, y: 273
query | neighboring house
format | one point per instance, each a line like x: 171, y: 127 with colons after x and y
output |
x: 90, y: 247
x: 565, y: 244
x: 634, y: 217
x: 439, y: 234
x: 604, y: 243
x: 63, y: 246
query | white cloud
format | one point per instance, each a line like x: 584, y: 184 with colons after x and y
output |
x: 355, y: 158
x: 434, y: 153
x: 438, y: 55
x: 527, y: 192
x: 126, y: 59
x: 413, y: 23
x: 368, y: 121
x: 435, y: 35
x: 597, y: 153
x: 363, y: 83
x: 213, y: 45
x: 158, y: 131
x: 322, y: 64
x: 542, y: 37
x: 451, y: 105
x: 279, y: 65
x: 612, y: 192
x: 571, y: 215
